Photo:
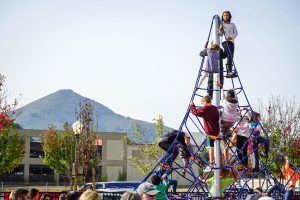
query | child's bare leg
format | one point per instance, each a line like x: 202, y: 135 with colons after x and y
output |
x: 203, y: 78
x: 226, y: 154
x: 211, y: 156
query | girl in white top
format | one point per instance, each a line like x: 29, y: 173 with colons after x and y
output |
x: 228, y: 117
x: 228, y: 32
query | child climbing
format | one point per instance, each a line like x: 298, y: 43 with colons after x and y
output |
x: 256, y: 138
x: 228, y: 118
x: 185, y: 159
x: 290, y: 176
x: 242, y: 140
x: 166, y: 181
x: 228, y: 32
x: 213, y: 65
x: 210, y: 115
x: 166, y: 142
x: 156, y: 181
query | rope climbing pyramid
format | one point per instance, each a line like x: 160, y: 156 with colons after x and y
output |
x: 226, y: 164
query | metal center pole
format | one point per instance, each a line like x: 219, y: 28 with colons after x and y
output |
x: 216, y: 101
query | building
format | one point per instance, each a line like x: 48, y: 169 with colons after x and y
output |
x: 32, y: 170
x: 111, y: 146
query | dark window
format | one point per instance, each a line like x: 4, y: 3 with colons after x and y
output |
x: 99, y: 151
x: 40, y: 173
x: 17, y: 175
x: 36, y: 149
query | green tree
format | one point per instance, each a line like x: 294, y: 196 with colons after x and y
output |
x: 281, y: 120
x: 12, y: 149
x: 59, y: 148
x: 12, y: 145
x: 150, y: 152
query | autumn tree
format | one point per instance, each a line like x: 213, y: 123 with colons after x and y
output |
x: 88, y: 156
x: 281, y: 120
x: 12, y: 145
x: 59, y: 148
x: 149, y: 150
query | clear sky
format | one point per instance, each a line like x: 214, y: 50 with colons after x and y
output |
x: 140, y: 57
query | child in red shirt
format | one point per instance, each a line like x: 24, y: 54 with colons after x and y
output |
x: 210, y: 115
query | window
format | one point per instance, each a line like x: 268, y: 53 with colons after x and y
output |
x: 40, y: 173
x: 36, y: 149
x: 17, y: 175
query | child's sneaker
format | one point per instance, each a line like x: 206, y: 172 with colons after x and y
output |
x: 232, y: 74
x: 208, y: 169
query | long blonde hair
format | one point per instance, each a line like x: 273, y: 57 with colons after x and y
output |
x: 90, y: 195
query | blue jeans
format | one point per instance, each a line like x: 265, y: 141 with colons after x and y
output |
x: 258, y: 139
x: 173, y: 183
x: 229, y: 51
x: 170, y: 156
x: 288, y: 193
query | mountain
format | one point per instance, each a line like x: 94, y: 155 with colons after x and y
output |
x: 59, y: 107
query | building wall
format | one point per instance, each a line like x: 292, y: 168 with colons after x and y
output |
x: 114, y: 151
x: 133, y: 172
x: 114, y: 154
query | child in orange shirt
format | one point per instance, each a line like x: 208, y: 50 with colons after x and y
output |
x: 290, y: 176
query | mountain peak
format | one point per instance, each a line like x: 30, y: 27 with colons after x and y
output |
x: 63, y: 93
x: 59, y: 107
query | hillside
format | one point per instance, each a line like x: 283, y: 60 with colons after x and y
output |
x: 59, y: 107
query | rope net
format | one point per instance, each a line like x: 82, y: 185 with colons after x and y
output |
x: 245, y: 156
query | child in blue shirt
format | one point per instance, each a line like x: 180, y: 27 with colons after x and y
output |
x: 256, y: 138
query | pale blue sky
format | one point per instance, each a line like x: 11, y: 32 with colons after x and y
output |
x: 140, y: 58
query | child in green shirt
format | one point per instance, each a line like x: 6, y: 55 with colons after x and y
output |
x: 156, y: 181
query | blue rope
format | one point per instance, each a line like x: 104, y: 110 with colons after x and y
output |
x: 199, y: 186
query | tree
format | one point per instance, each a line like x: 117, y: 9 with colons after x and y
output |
x: 12, y: 145
x: 282, y: 123
x: 88, y: 156
x: 59, y: 149
x: 150, y: 152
